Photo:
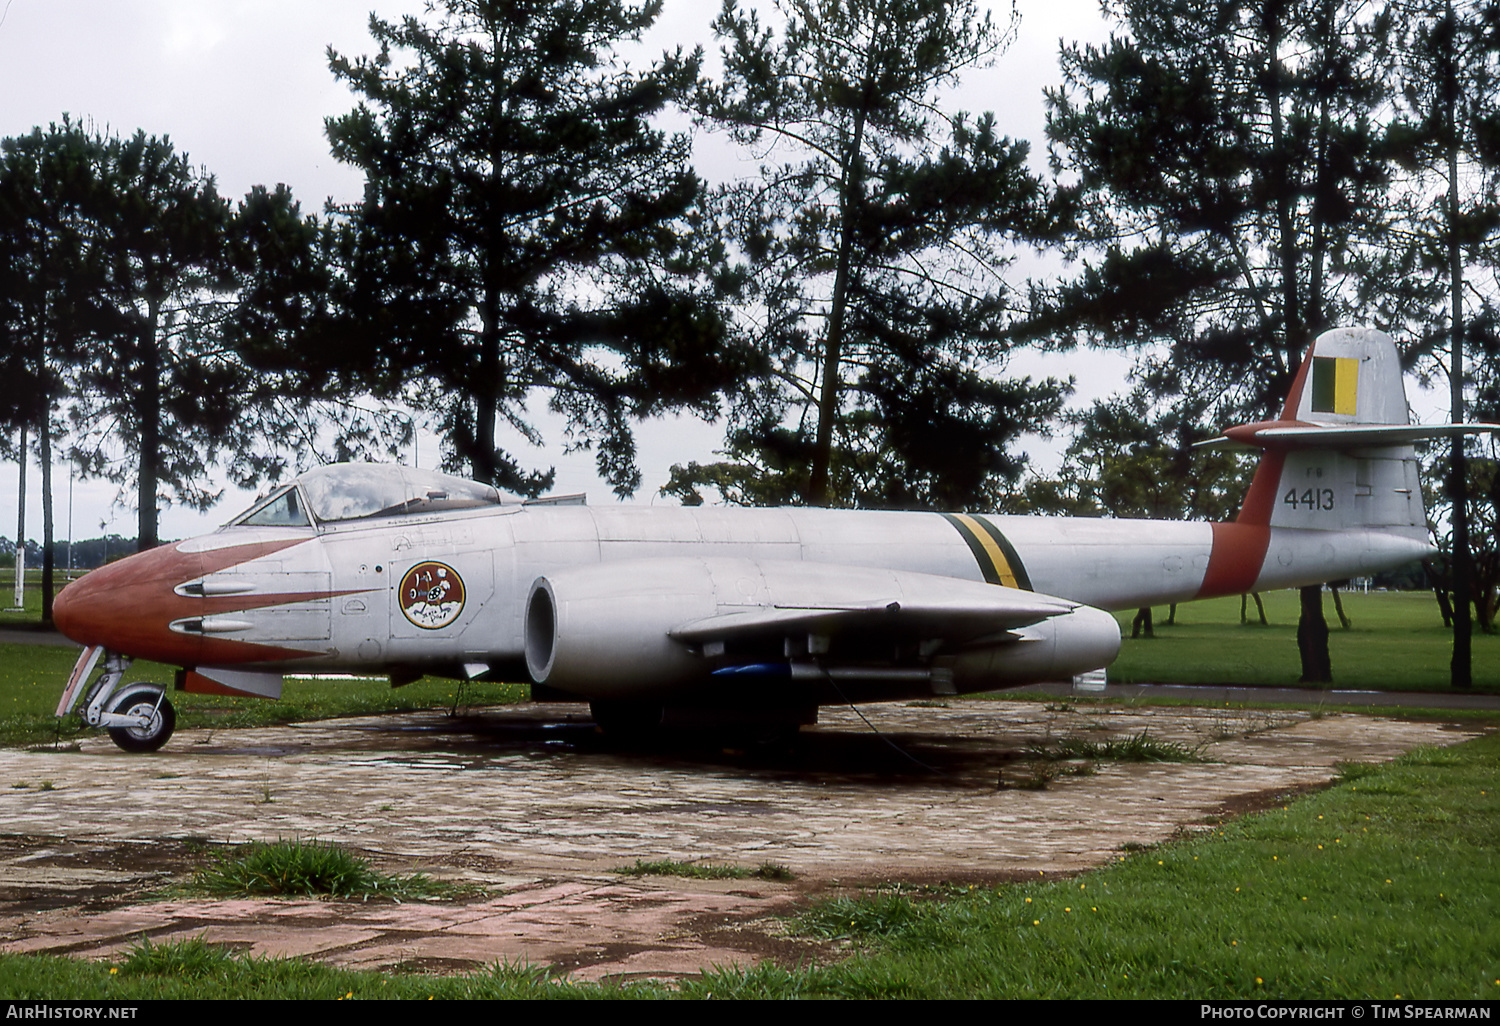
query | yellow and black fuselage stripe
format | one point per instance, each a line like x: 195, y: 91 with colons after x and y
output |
x: 995, y: 555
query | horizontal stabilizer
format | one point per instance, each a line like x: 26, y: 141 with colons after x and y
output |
x: 1285, y: 435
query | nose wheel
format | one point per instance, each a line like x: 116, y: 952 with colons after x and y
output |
x: 138, y: 716
x: 150, y: 719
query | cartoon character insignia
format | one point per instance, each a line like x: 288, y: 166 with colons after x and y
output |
x: 432, y: 595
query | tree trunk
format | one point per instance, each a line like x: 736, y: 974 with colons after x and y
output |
x: 482, y: 456
x: 1142, y: 622
x: 1338, y: 605
x: 1260, y: 609
x: 21, y: 525
x: 1312, y: 638
x: 1461, y: 668
x: 1172, y: 615
x: 833, y: 345
x: 482, y: 462
x: 1288, y: 245
x: 1440, y: 592
x: 148, y: 415
x: 47, y: 547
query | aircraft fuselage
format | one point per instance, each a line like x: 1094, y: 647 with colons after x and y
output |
x: 356, y: 595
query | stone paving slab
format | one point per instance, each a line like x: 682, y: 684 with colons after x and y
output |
x: 530, y: 805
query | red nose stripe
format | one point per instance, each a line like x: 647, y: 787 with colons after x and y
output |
x: 218, y: 605
x: 128, y: 606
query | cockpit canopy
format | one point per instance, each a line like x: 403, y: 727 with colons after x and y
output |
x: 355, y: 491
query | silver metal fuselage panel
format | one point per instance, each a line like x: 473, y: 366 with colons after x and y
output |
x: 500, y: 552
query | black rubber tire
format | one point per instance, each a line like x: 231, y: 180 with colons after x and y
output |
x: 152, y: 737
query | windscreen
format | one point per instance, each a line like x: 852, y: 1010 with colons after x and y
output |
x: 352, y: 491
x: 280, y: 509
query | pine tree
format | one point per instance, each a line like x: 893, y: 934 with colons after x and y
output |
x: 1232, y: 180
x: 129, y: 295
x: 283, y: 327
x: 52, y: 265
x: 1447, y: 55
x: 873, y: 259
x: 157, y: 383
x: 524, y: 228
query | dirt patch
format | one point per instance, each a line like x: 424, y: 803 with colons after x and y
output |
x: 533, y: 809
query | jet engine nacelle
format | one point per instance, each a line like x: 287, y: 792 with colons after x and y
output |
x: 649, y: 628
x: 602, y: 630
x: 1057, y: 649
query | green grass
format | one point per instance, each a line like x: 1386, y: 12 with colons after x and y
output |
x: 193, y: 958
x: 1397, y: 642
x: 1140, y: 747
x: 862, y: 918
x: 31, y: 612
x: 706, y: 871
x: 197, y: 970
x: 305, y: 868
x: 1386, y: 884
x: 32, y: 678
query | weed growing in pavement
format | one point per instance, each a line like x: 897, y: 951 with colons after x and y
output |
x: 873, y: 915
x: 306, y: 868
x: 706, y: 871
x: 1141, y: 747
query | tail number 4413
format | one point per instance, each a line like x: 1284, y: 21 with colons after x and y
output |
x: 1309, y: 498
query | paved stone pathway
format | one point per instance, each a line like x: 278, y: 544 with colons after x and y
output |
x: 532, y: 806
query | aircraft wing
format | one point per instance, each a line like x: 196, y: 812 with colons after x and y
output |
x: 623, y: 627
x: 947, y: 619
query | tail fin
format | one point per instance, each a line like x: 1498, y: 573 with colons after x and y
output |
x: 1341, y: 456
x: 1337, y: 490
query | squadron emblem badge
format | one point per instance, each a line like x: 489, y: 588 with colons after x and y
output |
x: 432, y: 595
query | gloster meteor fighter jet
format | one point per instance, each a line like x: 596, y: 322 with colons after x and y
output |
x: 670, y: 614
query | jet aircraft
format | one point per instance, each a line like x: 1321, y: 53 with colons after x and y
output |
x: 663, y: 615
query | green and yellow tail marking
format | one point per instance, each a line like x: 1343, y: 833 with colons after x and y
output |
x: 995, y: 555
x: 1335, y: 384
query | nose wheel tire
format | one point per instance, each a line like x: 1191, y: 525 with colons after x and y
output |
x: 144, y: 701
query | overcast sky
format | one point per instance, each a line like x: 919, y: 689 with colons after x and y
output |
x: 242, y: 87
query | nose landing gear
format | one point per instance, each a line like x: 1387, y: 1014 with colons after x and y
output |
x: 139, y: 717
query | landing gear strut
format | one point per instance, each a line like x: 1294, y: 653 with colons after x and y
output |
x: 139, y: 717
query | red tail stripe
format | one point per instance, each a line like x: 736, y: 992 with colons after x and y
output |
x: 1234, y: 562
x: 1260, y: 500
x: 1294, y: 395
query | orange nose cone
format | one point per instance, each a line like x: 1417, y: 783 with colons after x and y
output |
x: 66, y: 616
x: 128, y: 606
